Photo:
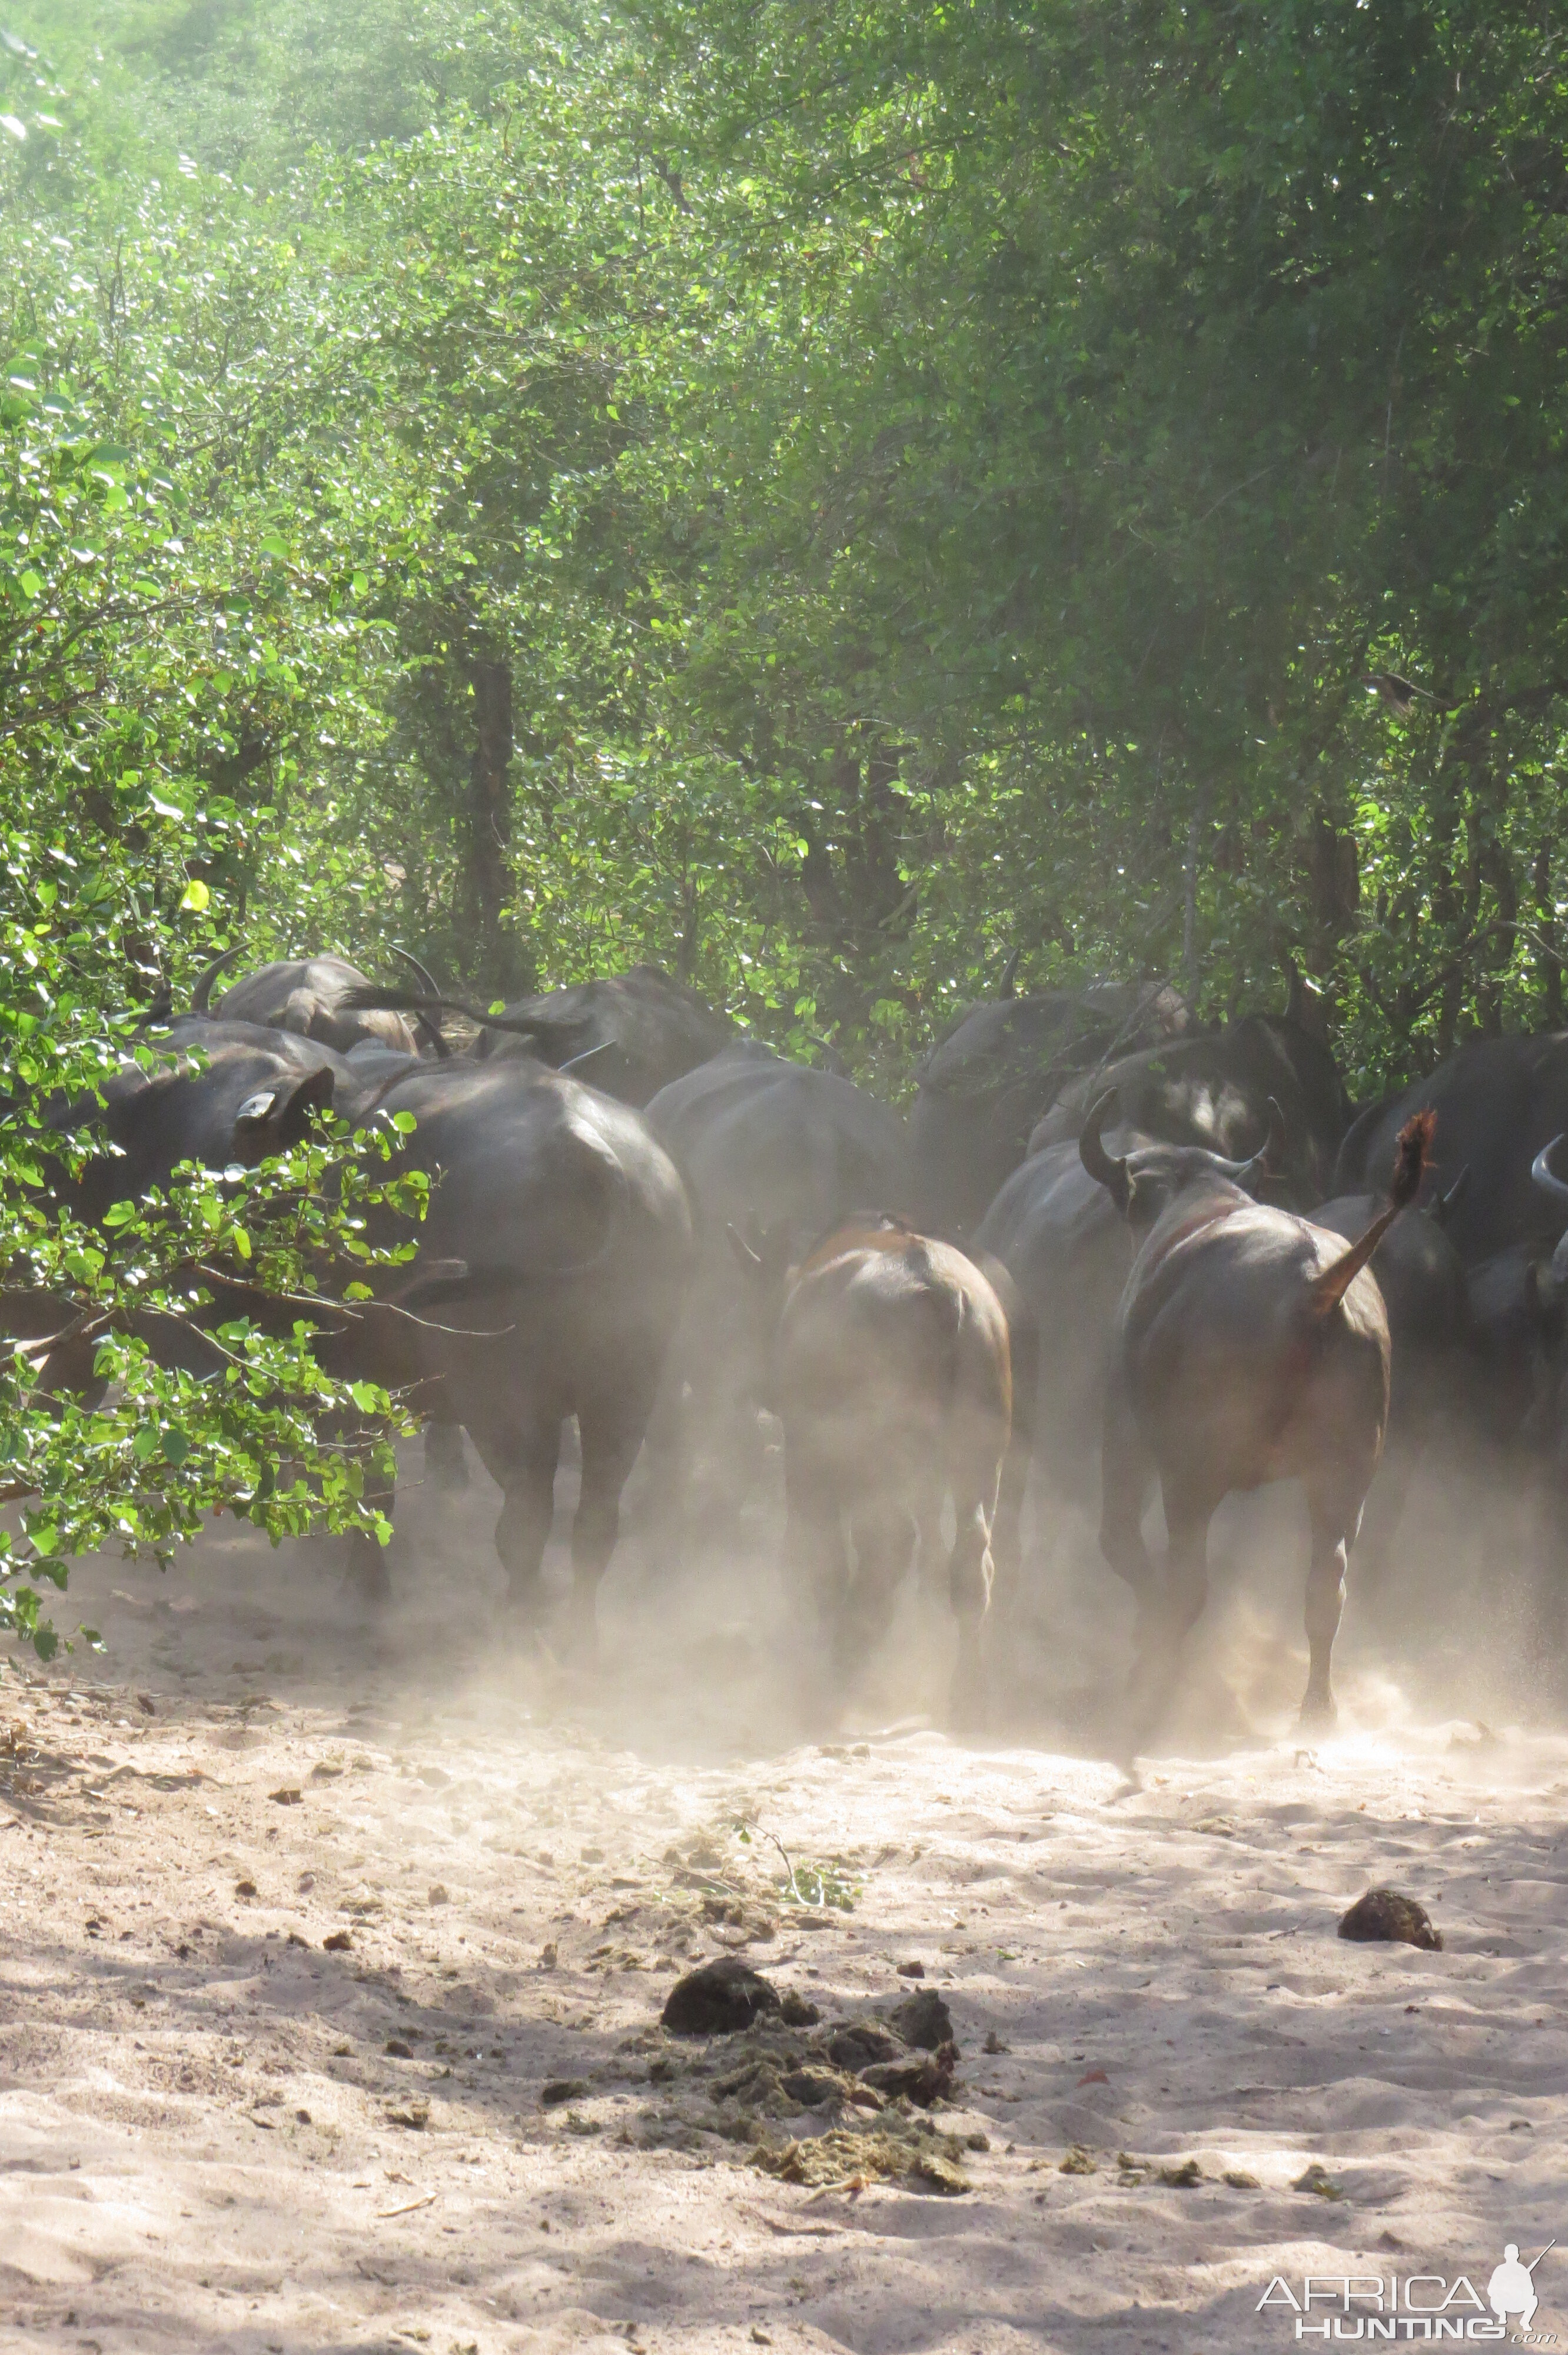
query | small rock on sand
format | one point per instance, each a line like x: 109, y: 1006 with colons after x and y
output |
x: 719, y: 2000
x: 910, y: 1970
x: 1387, y: 1914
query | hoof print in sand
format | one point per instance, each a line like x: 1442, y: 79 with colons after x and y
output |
x: 719, y: 2000
x: 1383, y: 1913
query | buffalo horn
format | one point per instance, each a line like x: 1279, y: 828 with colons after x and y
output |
x: 204, y: 979
x: 573, y: 1063
x: 1443, y: 1207
x: 1107, y: 1169
x: 1544, y: 1174
x: 1010, y: 975
x: 1271, y: 1152
x: 416, y: 967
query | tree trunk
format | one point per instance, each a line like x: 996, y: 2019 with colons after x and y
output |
x: 1334, y: 886
x: 1550, y: 965
x: 487, y: 876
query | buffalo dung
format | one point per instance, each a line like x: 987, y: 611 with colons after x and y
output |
x: 923, y: 2019
x: 855, y: 2046
x: 926, y: 2079
x: 719, y: 2000
x: 1386, y: 1913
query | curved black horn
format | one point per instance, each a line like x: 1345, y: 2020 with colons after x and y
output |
x: 1544, y: 1174
x: 1443, y: 1207
x: 1106, y: 1169
x: 414, y: 964
x: 1010, y: 975
x: 204, y: 979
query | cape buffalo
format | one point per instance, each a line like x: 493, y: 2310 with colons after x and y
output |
x: 641, y: 1029
x: 1425, y: 1291
x: 549, y: 1271
x: 1251, y: 1345
x: 996, y: 1069
x: 311, y: 996
x: 1216, y: 1091
x: 1067, y: 1249
x: 571, y: 1228
x: 893, y: 1379
x: 769, y: 1148
x: 1498, y: 1101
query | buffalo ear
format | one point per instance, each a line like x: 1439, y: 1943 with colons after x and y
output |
x: 276, y: 1117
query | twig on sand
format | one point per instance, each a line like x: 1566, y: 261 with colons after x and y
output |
x: 409, y: 2206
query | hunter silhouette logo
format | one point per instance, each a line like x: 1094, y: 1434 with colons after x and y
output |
x: 1512, y: 2290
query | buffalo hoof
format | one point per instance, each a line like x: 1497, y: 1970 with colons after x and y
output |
x: 1319, y: 1713
x: 368, y: 1575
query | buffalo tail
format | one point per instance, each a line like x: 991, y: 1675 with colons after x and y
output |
x: 1410, y: 1160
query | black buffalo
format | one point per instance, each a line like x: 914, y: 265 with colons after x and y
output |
x: 630, y: 1033
x: 775, y: 1150
x: 1251, y: 1345
x: 1215, y: 1092
x: 1067, y: 1250
x: 1498, y: 1101
x: 1431, y: 1373
x: 313, y: 996
x: 549, y: 1272
x: 994, y: 1071
x: 893, y: 1380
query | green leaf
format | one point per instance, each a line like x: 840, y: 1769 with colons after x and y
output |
x: 196, y: 895
x: 176, y: 1445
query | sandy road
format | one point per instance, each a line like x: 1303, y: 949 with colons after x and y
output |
x: 216, y: 2131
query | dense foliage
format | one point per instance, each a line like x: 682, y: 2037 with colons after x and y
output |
x: 822, y: 495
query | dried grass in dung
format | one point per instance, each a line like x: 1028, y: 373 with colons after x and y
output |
x: 844, y: 2158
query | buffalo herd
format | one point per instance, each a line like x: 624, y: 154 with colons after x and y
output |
x: 1109, y: 1254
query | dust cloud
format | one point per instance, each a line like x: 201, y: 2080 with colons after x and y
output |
x: 459, y: 2125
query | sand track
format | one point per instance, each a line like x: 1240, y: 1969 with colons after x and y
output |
x: 205, y: 2142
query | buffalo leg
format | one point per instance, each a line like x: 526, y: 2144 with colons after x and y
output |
x: 611, y: 1436
x: 814, y: 1552
x: 970, y: 1577
x: 1127, y: 1473
x: 1187, y: 1512
x: 522, y: 1461
x: 1386, y: 1505
x: 883, y: 1533
x: 1006, y: 1522
x: 446, y: 1466
x: 1335, y: 1518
